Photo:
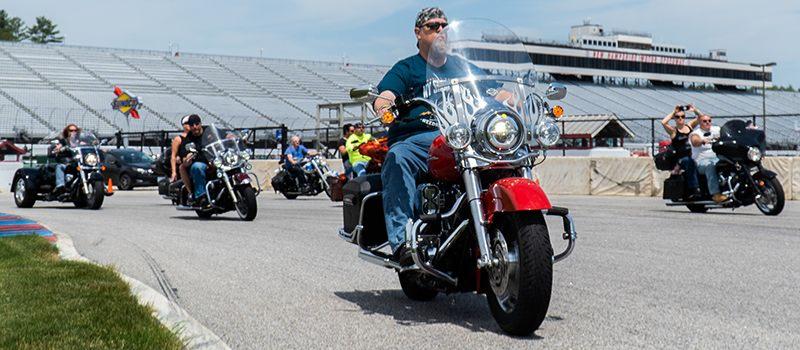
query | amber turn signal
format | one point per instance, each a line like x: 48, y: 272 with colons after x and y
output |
x: 387, y: 117
x: 558, y: 111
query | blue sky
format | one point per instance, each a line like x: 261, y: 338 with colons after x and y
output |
x: 369, y: 31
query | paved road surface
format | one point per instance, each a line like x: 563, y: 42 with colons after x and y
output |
x: 643, y: 276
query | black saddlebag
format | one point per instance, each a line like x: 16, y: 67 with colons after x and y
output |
x: 673, y: 188
x: 279, y: 181
x: 354, y: 192
x: 163, y: 186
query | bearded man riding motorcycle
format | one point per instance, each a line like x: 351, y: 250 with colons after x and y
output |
x: 412, y: 132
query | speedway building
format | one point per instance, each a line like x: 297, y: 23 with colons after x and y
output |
x: 625, y: 74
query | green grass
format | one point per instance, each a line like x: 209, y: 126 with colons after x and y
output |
x: 48, y: 303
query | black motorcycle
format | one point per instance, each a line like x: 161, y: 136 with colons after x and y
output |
x: 740, y: 149
x: 311, y: 180
x: 228, y: 178
x: 84, y: 175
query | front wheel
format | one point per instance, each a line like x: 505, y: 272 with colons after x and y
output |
x: 771, y: 200
x: 24, y: 193
x: 521, y: 283
x: 96, y: 195
x: 247, y: 206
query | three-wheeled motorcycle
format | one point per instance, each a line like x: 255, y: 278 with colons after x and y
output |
x: 84, y: 186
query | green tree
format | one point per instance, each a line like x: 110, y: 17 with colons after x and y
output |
x: 44, y: 31
x: 11, y: 29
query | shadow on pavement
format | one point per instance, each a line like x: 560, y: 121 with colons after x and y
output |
x: 469, y: 311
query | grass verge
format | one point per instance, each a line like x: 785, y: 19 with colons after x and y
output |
x: 48, y: 303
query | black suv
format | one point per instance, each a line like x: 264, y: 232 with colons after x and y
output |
x: 129, y: 167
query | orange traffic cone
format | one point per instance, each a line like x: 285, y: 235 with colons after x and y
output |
x: 110, y: 187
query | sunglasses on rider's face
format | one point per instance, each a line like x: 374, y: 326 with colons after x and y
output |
x: 435, y: 25
x: 73, y: 130
x: 680, y: 117
x: 193, y: 124
x: 706, y: 121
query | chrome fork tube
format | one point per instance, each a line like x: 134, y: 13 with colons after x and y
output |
x: 230, y: 188
x: 472, y: 185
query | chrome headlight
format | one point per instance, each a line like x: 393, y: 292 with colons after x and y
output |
x: 231, y: 158
x: 754, y: 154
x: 90, y: 159
x: 548, y: 133
x: 217, y: 162
x: 500, y: 132
x: 245, y: 155
x: 458, y: 136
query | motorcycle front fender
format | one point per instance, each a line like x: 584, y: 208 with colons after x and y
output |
x: 764, y: 174
x: 513, y: 194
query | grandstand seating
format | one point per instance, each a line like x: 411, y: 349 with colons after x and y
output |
x: 42, y: 87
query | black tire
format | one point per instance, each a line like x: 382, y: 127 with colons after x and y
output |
x: 779, y: 200
x: 95, y: 200
x: 697, y: 208
x: 247, y: 207
x: 328, y: 192
x: 413, y: 289
x: 24, y: 193
x: 528, y: 282
x: 125, y: 182
x: 289, y: 196
x: 204, y: 214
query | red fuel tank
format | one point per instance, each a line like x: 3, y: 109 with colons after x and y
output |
x: 442, y: 161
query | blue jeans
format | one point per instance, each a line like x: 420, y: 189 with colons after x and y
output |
x: 60, y: 178
x: 689, y: 172
x: 359, y: 169
x: 198, y: 172
x: 348, y: 169
x: 404, y: 163
x: 708, y: 167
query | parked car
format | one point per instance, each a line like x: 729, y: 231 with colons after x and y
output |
x: 129, y: 168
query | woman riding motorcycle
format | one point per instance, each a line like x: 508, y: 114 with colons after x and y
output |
x: 679, y: 135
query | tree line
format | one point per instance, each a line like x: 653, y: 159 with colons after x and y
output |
x: 14, y: 29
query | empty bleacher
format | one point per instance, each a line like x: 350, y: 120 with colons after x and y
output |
x: 42, y: 87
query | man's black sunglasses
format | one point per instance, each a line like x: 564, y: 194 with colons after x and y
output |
x: 193, y: 124
x: 435, y: 26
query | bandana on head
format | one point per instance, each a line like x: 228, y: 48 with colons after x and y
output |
x: 428, y: 14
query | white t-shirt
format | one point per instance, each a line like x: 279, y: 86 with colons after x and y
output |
x: 704, y: 151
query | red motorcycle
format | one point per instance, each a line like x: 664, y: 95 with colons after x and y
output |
x: 480, y: 223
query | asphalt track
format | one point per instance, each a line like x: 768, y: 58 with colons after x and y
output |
x: 642, y: 276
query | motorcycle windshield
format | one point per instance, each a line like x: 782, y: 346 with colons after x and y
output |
x: 483, y: 66
x: 83, y: 138
x: 742, y: 132
x: 223, y: 144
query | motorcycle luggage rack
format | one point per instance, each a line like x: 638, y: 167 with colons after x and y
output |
x: 569, y: 231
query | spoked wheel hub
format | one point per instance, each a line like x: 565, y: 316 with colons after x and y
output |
x: 768, y: 199
x: 20, y: 192
x: 503, y: 275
